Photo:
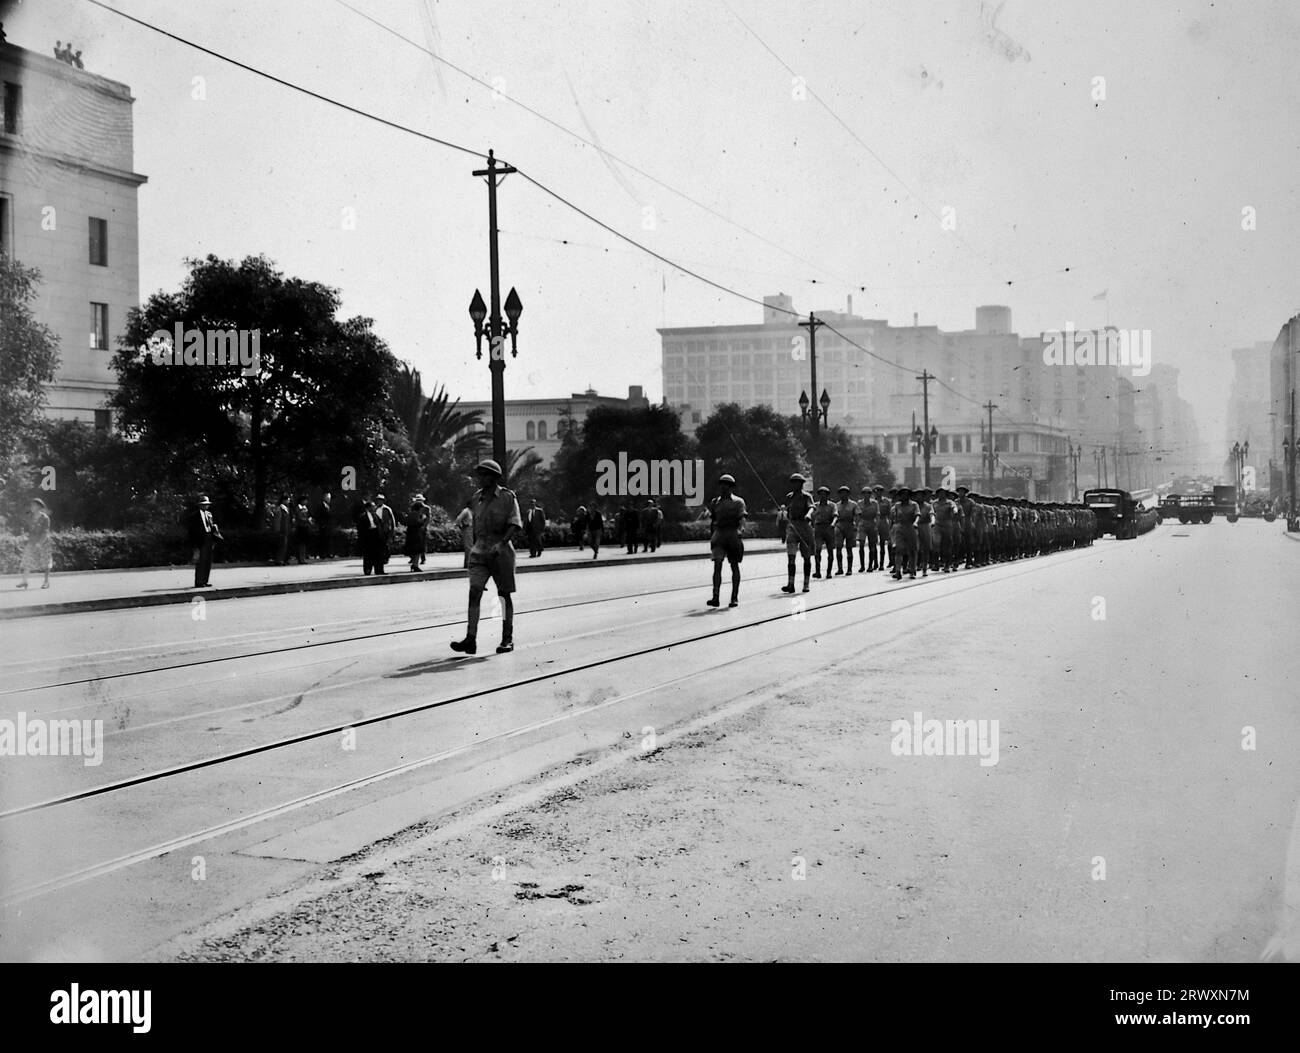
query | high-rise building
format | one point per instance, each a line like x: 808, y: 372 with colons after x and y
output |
x: 68, y: 208
x: 1283, y: 409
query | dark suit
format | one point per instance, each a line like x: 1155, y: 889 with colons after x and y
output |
x: 535, y: 529
x: 203, y: 534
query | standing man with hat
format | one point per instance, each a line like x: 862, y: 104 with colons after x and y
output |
x: 823, y: 520
x: 728, y: 512
x: 798, y: 531
x: 536, y: 528
x: 203, y: 535
x: 846, y: 529
x: 903, y: 516
x: 883, y: 501
x: 496, y: 522
x: 869, y: 531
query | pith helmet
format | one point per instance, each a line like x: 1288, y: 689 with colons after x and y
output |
x: 729, y: 480
x: 797, y: 478
x: 489, y: 466
x: 845, y: 490
x: 823, y: 489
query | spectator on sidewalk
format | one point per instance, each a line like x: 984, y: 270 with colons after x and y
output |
x: 628, y: 523
x: 302, y: 529
x: 579, y: 526
x: 203, y: 534
x: 281, y: 527
x: 595, y: 529
x: 535, y: 528
x: 370, y: 539
x: 387, y: 527
x: 37, y: 549
x: 417, y: 525
x: 465, y: 524
x: 325, y: 528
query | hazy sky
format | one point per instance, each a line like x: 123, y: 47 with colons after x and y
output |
x: 985, y: 109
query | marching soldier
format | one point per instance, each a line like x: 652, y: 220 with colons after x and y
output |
x: 882, y: 531
x: 728, y: 512
x: 823, y: 520
x: 496, y: 522
x: 924, y: 530
x: 798, y: 532
x: 869, y: 531
x: 947, y: 523
x: 846, y: 529
x: 903, y: 516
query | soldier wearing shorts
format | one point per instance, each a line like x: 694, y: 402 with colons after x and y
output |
x: 882, y: 499
x: 798, y: 531
x: 868, y: 530
x: 823, y: 521
x: 903, y: 516
x: 728, y: 512
x: 492, y: 557
x: 846, y: 529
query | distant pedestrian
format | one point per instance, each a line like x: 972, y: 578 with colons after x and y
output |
x: 579, y: 526
x: 203, y: 534
x: 37, y: 549
x: 281, y: 530
x: 651, y: 526
x: 370, y: 539
x: 628, y: 523
x: 302, y: 528
x: 728, y: 512
x: 325, y: 527
x: 496, y: 522
x: 417, y: 526
x: 465, y: 524
x: 595, y: 529
x: 535, y: 528
x: 387, y: 529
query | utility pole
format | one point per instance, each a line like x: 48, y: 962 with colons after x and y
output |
x: 925, y: 378
x: 990, y: 407
x: 812, y: 325
x: 1114, y: 452
x: 497, y: 363
x: 914, y: 443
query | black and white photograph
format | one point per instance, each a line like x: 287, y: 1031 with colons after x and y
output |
x: 664, y: 481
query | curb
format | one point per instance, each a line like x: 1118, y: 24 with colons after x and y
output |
x: 161, y: 599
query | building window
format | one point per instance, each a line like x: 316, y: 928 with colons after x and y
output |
x: 530, y: 431
x: 541, y: 431
x: 103, y: 420
x: 98, y: 242
x: 6, y: 213
x: 695, y: 417
x: 13, y: 109
x: 99, y: 326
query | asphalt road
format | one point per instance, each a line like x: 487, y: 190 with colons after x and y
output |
x: 1123, y: 819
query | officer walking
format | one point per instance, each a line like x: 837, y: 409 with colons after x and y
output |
x: 728, y: 512
x: 798, y: 532
x: 496, y: 522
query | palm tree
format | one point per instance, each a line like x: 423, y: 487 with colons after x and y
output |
x: 435, y: 421
x: 518, y: 467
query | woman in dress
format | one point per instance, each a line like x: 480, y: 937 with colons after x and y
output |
x: 37, y: 553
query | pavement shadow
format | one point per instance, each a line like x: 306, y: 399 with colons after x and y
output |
x: 435, y: 665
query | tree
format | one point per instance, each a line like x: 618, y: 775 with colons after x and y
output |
x: 756, y: 445
x: 840, y: 461
x: 29, y: 357
x: 652, y: 433
x: 316, y: 409
x: 435, y: 421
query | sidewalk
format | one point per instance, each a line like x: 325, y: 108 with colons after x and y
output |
x: 103, y: 590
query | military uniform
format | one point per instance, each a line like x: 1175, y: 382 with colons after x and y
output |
x: 846, y: 529
x: 728, y: 512
x: 882, y: 528
x: 925, y: 531
x: 868, y: 531
x: 947, y: 521
x: 798, y: 535
x: 903, y: 516
x: 823, y: 521
x: 492, y: 515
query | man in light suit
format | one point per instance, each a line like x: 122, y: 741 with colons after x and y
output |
x: 203, y: 534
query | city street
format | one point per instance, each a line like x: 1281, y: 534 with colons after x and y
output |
x: 317, y: 776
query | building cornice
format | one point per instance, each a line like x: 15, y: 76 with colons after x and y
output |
x: 27, y: 59
x: 15, y: 144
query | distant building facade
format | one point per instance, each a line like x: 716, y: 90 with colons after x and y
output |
x: 1042, y: 411
x: 1283, y: 408
x: 68, y: 208
x: 541, y: 423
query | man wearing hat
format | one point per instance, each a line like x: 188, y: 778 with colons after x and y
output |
x: 417, y: 526
x: 846, y: 529
x: 798, y: 535
x: 536, y: 528
x: 728, y: 512
x: 884, y: 501
x: 947, y: 519
x: 924, y: 530
x: 203, y: 535
x: 387, y: 530
x: 496, y: 522
x: 651, y: 525
x: 823, y: 521
x: 868, y: 529
x: 903, y: 515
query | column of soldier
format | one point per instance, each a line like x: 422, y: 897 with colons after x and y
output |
x: 927, y: 530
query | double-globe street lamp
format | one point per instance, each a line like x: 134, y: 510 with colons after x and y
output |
x: 925, y: 442
x: 813, y: 418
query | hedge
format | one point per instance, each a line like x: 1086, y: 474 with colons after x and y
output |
x: 119, y: 549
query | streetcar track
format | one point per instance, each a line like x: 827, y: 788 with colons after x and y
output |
x: 293, y: 740
x: 585, y: 602
x: 232, y: 825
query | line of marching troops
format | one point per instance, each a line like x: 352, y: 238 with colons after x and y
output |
x: 924, y: 529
